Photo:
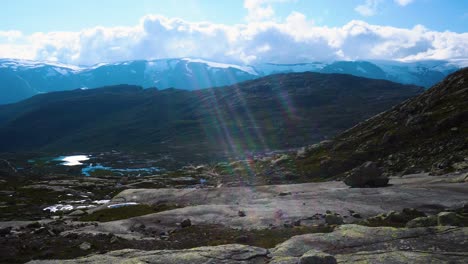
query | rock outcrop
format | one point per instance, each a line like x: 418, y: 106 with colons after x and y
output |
x: 220, y: 254
x: 347, y: 244
x: 366, y: 175
x: 360, y: 244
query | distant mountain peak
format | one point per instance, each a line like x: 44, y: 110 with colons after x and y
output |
x: 21, y: 79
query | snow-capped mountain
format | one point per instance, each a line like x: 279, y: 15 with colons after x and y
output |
x: 20, y: 79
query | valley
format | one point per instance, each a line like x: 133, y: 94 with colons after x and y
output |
x: 388, y: 188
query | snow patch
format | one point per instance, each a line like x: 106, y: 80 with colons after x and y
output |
x: 247, y: 69
x: 73, y: 160
x: 101, y: 201
x: 59, y: 207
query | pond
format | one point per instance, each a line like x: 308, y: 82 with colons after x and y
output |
x: 72, y: 160
x: 89, y: 168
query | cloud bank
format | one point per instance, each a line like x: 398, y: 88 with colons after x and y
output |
x: 296, y: 39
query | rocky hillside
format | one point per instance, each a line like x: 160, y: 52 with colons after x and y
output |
x: 276, y: 112
x: 425, y: 133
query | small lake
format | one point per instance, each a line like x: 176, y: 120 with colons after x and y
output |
x: 89, y: 168
x: 72, y: 160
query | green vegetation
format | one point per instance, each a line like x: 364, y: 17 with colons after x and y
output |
x: 191, y: 125
x: 211, y: 235
x: 112, y: 214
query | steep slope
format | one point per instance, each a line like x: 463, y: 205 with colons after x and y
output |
x: 20, y: 79
x: 275, y: 112
x: 425, y: 133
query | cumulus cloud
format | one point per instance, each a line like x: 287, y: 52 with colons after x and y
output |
x: 403, y: 2
x: 258, y: 10
x: 369, y: 8
x: 296, y: 39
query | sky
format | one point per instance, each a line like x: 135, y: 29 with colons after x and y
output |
x: 86, y: 32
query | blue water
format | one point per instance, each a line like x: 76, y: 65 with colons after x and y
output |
x: 80, y: 160
x: 91, y: 168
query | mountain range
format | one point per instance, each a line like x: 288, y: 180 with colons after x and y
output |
x: 21, y: 79
x: 279, y: 111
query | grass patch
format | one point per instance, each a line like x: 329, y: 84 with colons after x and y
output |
x: 125, y: 212
x: 211, y: 235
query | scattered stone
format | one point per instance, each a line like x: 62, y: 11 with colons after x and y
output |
x: 394, y: 218
x: 85, y: 246
x: 72, y: 236
x: 50, y: 232
x: 284, y: 193
x: 77, y: 213
x: 40, y: 230
x: 114, y: 239
x: 297, y: 222
x: 241, y: 213
x: 366, y: 175
x: 138, y: 226
x: 356, y: 215
x: 34, y: 225
x: 333, y: 219
x: 5, y: 231
x: 422, y: 222
x: 460, y: 166
x: 317, y: 257
x: 283, y: 158
x: 185, y: 223
x: 58, y: 230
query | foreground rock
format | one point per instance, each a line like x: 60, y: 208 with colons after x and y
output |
x: 360, y: 244
x: 347, y: 244
x: 366, y: 175
x: 263, y: 207
x: 220, y: 254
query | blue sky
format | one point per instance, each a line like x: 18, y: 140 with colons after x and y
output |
x: 64, y: 15
x: 90, y: 31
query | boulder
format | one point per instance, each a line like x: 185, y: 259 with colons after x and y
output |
x: 282, y: 159
x: 5, y: 230
x: 422, y: 222
x: 394, y: 218
x: 366, y: 175
x: 317, y: 257
x: 333, y: 219
x: 185, y: 223
x: 448, y: 219
x: 85, y: 246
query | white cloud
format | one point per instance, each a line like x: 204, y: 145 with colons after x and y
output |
x: 296, y: 39
x: 403, y: 2
x: 369, y: 8
x: 258, y: 10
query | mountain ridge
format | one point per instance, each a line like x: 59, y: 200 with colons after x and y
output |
x: 275, y: 112
x: 20, y: 79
